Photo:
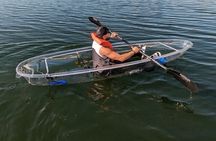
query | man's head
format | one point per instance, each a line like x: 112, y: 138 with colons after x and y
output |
x: 101, y: 31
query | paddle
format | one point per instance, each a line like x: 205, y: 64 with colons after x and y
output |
x: 95, y: 21
x: 176, y: 74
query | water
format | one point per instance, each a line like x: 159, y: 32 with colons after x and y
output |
x: 147, y: 106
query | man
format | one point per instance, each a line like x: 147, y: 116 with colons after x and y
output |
x: 103, y: 52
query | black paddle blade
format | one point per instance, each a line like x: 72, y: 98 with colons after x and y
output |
x: 184, y: 80
x: 95, y: 21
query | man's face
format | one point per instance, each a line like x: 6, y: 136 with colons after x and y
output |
x: 106, y: 36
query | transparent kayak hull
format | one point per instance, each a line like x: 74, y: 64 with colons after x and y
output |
x: 75, y: 65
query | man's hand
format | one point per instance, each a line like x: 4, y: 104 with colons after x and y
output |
x: 114, y: 35
x: 136, y: 48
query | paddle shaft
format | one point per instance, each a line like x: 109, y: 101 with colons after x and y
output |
x: 162, y: 66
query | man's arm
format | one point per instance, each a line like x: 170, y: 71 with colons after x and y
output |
x: 115, y: 56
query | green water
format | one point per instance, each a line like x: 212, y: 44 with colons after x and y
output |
x: 147, y: 106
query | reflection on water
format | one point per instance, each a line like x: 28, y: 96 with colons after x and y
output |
x: 101, y: 94
x: 96, y: 91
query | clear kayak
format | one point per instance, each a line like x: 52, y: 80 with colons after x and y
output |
x: 75, y: 65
